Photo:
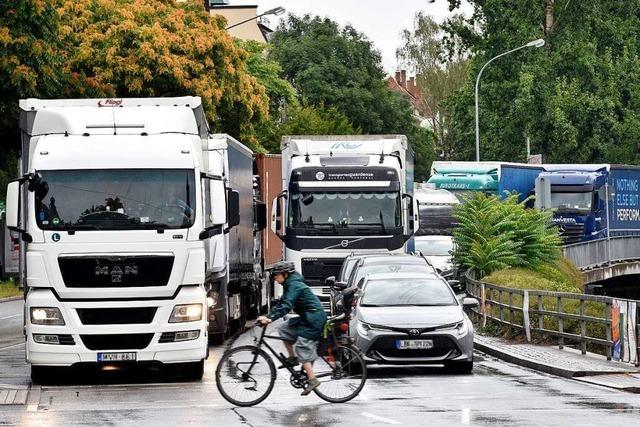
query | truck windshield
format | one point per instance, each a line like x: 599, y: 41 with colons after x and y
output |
x: 120, y: 199
x: 345, y: 209
x: 579, y: 201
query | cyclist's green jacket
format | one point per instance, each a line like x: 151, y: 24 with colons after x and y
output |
x: 299, y: 298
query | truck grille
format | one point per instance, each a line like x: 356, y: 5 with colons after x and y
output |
x: 386, y: 347
x: 116, y: 316
x: 571, y: 233
x: 116, y: 342
x: 116, y: 271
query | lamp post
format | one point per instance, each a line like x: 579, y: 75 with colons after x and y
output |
x: 275, y: 11
x: 535, y: 43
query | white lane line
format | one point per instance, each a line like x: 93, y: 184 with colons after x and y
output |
x: 10, y: 317
x: 12, y: 346
x: 375, y: 417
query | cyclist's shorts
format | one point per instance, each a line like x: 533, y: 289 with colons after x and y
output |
x: 305, y: 349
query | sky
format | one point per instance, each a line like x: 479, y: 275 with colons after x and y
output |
x: 382, y: 21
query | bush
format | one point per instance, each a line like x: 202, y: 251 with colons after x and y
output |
x: 494, y: 234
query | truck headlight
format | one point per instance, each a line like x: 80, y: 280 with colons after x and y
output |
x: 186, y: 313
x: 46, y: 316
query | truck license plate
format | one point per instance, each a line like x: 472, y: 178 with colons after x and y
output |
x: 414, y: 344
x: 116, y: 357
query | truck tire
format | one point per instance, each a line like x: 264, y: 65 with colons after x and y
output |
x: 42, y: 375
x: 192, y: 371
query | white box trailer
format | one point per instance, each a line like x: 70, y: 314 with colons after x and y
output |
x: 132, y: 230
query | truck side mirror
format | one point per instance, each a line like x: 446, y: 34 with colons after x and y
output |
x: 330, y: 281
x: 13, y: 205
x: 218, y: 210
x: 276, y: 214
x: 233, y: 201
x: 410, y: 208
x: 543, y: 193
x: 260, y: 212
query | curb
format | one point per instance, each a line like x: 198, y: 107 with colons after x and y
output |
x: 527, y: 363
x: 8, y: 299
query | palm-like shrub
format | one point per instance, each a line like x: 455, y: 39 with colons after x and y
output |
x: 493, y: 234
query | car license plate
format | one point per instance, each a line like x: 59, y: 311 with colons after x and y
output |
x: 116, y: 357
x: 414, y: 344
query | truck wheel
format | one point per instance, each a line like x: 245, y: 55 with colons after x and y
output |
x: 192, y: 371
x: 41, y: 374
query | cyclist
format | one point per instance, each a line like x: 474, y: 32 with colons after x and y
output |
x: 300, y: 334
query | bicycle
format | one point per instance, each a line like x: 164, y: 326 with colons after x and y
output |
x: 246, y: 375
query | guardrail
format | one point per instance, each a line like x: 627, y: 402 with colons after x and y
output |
x: 576, y: 318
x: 600, y: 252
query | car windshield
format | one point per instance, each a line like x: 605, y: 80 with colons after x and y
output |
x: 361, y: 272
x: 345, y: 209
x: 580, y: 201
x: 116, y: 199
x: 406, y: 292
x: 434, y: 247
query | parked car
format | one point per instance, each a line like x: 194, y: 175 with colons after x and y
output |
x: 408, y: 318
x: 437, y: 249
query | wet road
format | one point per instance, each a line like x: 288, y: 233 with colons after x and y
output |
x: 496, y: 394
x: 11, y: 323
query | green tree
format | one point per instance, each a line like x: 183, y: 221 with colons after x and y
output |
x: 29, y: 67
x: 438, y: 72
x: 577, y: 99
x: 338, y: 67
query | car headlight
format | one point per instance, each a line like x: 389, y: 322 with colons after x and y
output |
x: 46, y: 316
x: 462, y: 328
x: 363, y: 328
x: 186, y: 313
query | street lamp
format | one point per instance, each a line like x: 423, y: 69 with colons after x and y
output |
x: 535, y: 43
x: 275, y: 11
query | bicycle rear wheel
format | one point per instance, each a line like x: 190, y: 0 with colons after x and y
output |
x: 342, y: 374
x: 245, y: 375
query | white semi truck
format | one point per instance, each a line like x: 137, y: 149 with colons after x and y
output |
x: 343, y: 194
x: 137, y: 232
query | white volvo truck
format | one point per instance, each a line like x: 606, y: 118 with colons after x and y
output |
x: 136, y: 228
x: 343, y: 194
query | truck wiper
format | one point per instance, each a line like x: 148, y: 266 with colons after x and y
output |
x: 74, y: 227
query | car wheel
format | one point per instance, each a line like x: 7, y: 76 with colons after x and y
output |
x: 459, y: 368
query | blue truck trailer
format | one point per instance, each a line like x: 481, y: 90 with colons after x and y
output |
x: 591, y: 202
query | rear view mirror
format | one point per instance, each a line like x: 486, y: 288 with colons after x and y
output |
x: 260, y: 212
x: 330, y: 281
x: 233, y: 200
x: 307, y: 199
x: 218, y: 210
x: 470, y: 303
x: 13, y: 205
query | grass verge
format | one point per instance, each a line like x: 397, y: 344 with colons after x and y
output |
x: 8, y: 288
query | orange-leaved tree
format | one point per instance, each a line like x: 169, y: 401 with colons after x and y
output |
x: 140, y: 48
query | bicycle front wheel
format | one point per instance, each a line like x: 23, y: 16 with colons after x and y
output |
x: 245, y: 375
x: 342, y: 374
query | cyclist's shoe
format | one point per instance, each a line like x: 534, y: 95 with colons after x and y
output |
x: 311, y: 385
x: 290, y: 362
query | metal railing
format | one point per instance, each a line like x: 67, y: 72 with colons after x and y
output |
x: 601, y: 252
x: 576, y: 318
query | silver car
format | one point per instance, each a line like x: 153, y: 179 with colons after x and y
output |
x: 413, y: 319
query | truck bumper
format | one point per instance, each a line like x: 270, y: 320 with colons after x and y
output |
x: 145, y: 338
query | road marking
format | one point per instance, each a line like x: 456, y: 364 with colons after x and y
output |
x: 375, y: 417
x: 11, y: 346
x: 32, y: 408
x: 10, y: 317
